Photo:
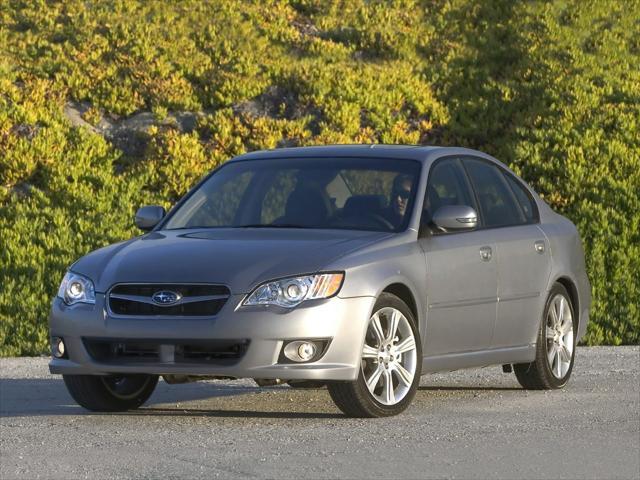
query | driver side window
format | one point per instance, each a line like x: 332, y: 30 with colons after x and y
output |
x: 447, y: 185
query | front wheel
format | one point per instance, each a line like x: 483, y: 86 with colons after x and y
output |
x: 555, y: 347
x: 391, y: 363
x: 110, y: 393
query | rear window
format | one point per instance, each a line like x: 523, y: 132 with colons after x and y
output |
x: 497, y: 202
x: 526, y: 202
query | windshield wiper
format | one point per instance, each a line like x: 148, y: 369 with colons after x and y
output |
x: 275, y: 225
x: 250, y: 225
x: 189, y: 228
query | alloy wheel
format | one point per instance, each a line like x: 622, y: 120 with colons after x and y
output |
x: 125, y: 387
x: 389, y: 357
x: 559, y: 335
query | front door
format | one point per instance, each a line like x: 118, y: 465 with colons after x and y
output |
x: 461, y: 271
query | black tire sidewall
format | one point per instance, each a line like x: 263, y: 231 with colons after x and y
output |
x: 90, y: 392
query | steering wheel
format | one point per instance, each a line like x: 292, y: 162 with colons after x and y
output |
x: 380, y: 220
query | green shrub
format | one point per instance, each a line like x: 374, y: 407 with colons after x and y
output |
x: 554, y: 90
x: 551, y: 88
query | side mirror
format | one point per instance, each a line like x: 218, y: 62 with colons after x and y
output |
x: 148, y: 217
x: 455, y: 217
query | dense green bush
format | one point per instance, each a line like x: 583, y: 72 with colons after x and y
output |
x: 551, y: 88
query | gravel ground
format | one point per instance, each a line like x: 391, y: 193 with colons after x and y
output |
x: 467, y: 424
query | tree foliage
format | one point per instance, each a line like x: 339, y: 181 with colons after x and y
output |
x: 550, y: 88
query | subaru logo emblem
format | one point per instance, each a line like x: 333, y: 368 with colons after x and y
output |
x: 165, y: 297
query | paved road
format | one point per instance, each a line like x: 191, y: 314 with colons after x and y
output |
x: 471, y: 424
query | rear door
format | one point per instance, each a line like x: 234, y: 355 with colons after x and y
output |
x: 523, y: 258
x: 461, y: 270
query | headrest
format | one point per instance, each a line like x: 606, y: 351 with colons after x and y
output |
x: 358, y: 205
x: 307, y: 206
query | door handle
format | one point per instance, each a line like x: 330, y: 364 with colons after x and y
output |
x: 539, y: 246
x: 485, y: 253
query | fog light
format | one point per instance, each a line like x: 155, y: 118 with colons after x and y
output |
x: 57, y: 347
x: 307, y: 351
x: 301, y: 351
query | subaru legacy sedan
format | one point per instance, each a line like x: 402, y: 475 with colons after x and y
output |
x: 356, y: 267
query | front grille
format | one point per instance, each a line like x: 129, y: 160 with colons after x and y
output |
x: 195, y: 300
x: 115, y: 351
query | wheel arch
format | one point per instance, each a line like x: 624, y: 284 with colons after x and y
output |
x: 404, y: 293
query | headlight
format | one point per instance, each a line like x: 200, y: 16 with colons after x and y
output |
x: 76, y: 289
x: 289, y: 292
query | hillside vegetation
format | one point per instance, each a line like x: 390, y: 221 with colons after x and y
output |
x: 168, y: 90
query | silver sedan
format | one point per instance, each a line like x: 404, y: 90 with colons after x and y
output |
x: 356, y: 267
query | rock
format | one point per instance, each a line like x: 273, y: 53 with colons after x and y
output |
x: 129, y: 134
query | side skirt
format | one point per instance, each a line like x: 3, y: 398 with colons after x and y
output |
x: 482, y: 358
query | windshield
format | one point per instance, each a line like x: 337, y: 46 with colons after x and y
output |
x: 330, y: 193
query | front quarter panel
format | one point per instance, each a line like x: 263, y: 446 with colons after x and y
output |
x: 93, y: 264
x: 398, y: 260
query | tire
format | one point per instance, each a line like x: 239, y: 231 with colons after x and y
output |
x: 110, y: 393
x: 356, y: 399
x: 555, y: 345
x: 307, y: 384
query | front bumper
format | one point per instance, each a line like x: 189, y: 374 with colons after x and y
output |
x: 342, y: 321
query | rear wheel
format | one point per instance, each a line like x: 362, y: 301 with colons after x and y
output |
x: 391, y: 363
x: 110, y: 393
x: 555, y: 348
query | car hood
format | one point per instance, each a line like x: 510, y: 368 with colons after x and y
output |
x: 238, y: 258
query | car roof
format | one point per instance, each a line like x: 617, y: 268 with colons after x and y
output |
x: 413, y: 152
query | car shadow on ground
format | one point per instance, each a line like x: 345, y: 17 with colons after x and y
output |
x: 49, y: 397
x: 23, y: 397
x: 467, y: 388
x: 43, y: 396
x: 194, y: 412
